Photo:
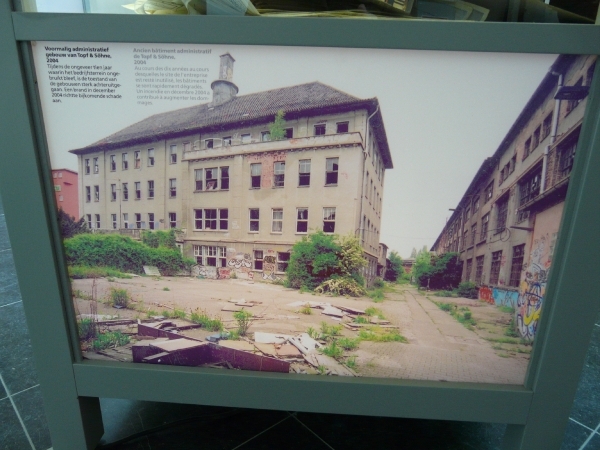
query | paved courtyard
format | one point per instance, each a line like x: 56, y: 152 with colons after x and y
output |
x: 438, y: 348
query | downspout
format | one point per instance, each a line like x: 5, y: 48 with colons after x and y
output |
x: 553, y: 131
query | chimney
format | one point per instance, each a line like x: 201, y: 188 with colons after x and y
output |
x: 223, y: 88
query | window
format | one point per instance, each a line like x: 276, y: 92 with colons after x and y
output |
x: 151, y: 221
x: 138, y: 190
x: 96, y: 193
x: 173, y: 154
x: 302, y: 220
x: 283, y: 259
x: 467, y: 213
x: 113, y: 192
x: 571, y: 104
x: 246, y: 138
x: 529, y: 188
x: 469, y: 268
x: 150, y: 157
x: 113, y: 163
x: 546, y: 127
x: 88, y: 194
x: 255, y: 174
x: 224, y: 178
x: 565, y: 159
x: 320, y: 129
x: 172, y: 187
x: 138, y: 220
x: 277, y: 225
x: 526, y: 148
x: 113, y: 219
x: 465, y: 238
x: 186, y: 147
x: 198, y: 176
x: 226, y: 141
x: 124, y: 163
x: 254, y: 220
x: 96, y: 166
x: 288, y: 133
x: 342, y: 127
x: 502, y: 215
x: 329, y: 220
x: 265, y: 136
x: 517, y: 265
x: 211, y: 179
x: 473, y: 233
x: 331, y: 171
x: 485, y: 222
x: 88, y: 219
x: 535, y: 139
x: 278, y: 174
x: 172, y: 220
x: 97, y: 217
x: 304, y: 173
x: 495, y: 268
x: 476, y: 201
x: 209, y: 143
x: 87, y: 166
x: 125, y: 192
x: 478, y: 269
x: 489, y: 191
x: 150, y: 188
x: 206, y: 219
x: 210, y: 255
x: 522, y: 216
x: 125, y: 220
x: 258, y: 260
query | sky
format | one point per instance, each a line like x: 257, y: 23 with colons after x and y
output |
x: 444, y: 113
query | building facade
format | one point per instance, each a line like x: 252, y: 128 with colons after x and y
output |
x: 66, y: 191
x: 240, y: 198
x: 506, y: 224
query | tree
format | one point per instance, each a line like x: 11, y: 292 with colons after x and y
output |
x: 395, y: 269
x: 439, y: 272
x: 69, y: 226
x: 413, y: 254
x: 277, y: 128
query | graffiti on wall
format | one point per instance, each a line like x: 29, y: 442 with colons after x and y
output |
x: 504, y: 297
x: 533, y: 288
x: 224, y: 273
x: 241, y: 265
x: 269, y: 266
x: 486, y: 294
x: 204, y: 272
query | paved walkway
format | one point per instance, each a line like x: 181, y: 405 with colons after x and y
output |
x: 439, y: 348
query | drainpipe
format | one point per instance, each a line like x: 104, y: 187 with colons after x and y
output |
x: 553, y: 131
x: 362, y: 187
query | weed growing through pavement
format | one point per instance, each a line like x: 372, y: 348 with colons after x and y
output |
x: 332, y: 350
x: 200, y: 317
x: 374, y: 312
x: 351, y: 362
x: 77, y: 293
x: 166, y: 289
x: 87, y: 329
x: 243, y: 319
x: 119, y: 297
x: 306, y: 309
x: 109, y: 340
x: 348, y: 343
x: 361, y: 319
x: 178, y: 314
x: 151, y: 313
x: 378, y: 334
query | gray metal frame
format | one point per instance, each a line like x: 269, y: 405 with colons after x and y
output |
x: 537, y: 412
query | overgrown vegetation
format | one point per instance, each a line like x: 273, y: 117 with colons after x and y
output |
x: 159, y: 238
x: 119, y: 297
x: 379, y: 334
x: 327, y: 263
x: 108, y: 340
x: 277, y: 127
x: 462, y: 314
x: 306, y: 309
x: 201, y: 317
x: 87, y: 328
x: 70, y: 226
x: 437, y: 272
x: 79, y: 272
x: 394, y: 269
x: 243, y: 319
x: 468, y: 289
x: 122, y: 253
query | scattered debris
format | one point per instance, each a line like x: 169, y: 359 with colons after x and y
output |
x: 270, y: 338
x: 333, y: 311
x: 238, y: 345
x: 152, y: 271
x: 304, y: 343
x: 231, y: 308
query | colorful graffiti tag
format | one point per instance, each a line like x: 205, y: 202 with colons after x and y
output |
x: 486, y: 294
x: 504, y: 297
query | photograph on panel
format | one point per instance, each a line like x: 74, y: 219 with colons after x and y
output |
x: 333, y: 212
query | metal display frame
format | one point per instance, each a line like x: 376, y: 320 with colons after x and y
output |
x: 536, y: 413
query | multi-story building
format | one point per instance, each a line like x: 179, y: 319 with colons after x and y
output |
x: 506, y: 224
x: 240, y: 198
x: 66, y: 192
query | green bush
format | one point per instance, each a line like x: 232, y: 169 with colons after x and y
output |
x: 332, y: 350
x: 70, y: 226
x: 340, y: 286
x: 378, y: 283
x: 468, y: 289
x: 119, y: 297
x: 159, y: 238
x: 348, y: 343
x: 243, y: 319
x: 79, y: 272
x: 109, y: 340
x: 87, y: 329
x: 200, y: 317
x: 438, y: 272
x: 122, y: 253
x: 394, y: 269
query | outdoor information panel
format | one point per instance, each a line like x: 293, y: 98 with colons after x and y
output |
x: 359, y: 217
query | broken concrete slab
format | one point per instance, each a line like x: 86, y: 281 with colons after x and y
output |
x: 288, y: 351
x: 309, y: 303
x: 151, y: 271
x: 231, y: 308
x: 304, y: 343
x: 350, y: 310
x: 97, y: 317
x: 267, y: 349
x: 270, y: 338
x: 238, y: 345
x: 175, y: 344
x: 333, y: 311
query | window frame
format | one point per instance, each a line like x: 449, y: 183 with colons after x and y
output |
x: 495, y: 267
x: 172, y: 187
x: 255, y: 180
x: 253, y: 220
x: 317, y: 129
x: 150, y: 155
x: 301, y: 220
x: 334, y: 171
x: 124, y: 192
x: 173, y: 153
x: 276, y: 220
x: 304, y: 177
x: 124, y: 162
x: 150, y: 189
x: 279, y: 174
x: 327, y: 220
x: 516, y: 266
x: 172, y: 220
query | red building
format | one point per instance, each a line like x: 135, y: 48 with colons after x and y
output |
x: 65, y: 191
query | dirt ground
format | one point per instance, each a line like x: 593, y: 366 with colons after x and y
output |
x: 438, y: 347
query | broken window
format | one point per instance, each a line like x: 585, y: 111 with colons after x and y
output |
x: 283, y: 259
x: 331, y: 171
x: 125, y: 220
x: 288, y: 133
x: 535, y: 139
x: 113, y: 162
x: 255, y: 175
x: 258, y: 260
x: 342, y: 127
x: 96, y: 166
x: 210, y: 255
x: 571, y: 104
x: 502, y: 214
x: 469, y: 268
x: 277, y: 225
x: 304, y: 172
x: 479, y: 269
x: 172, y: 220
x: 137, y: 159
x: 329, y: 220
x: 211, y: 179
x: 302, y: 220
x: 113, y: 218
x: 150, y: 188
x: 138, y: 220
x: 96, y: 193
x: 526, y: 148
x: 546, y: 126
x: 320, y: 129
x: 254, y: 220
x: 495, y: 267
x: 151, y: 221
x: 138, y: 190
x: 172, y: 187
x: 476, y: 201
x: 566, y: 158
x: 529, y: 186
x: 485, y: 221
x: 209, y: 143
x: 265, y: 136
x: 88, y: 219
x: 113, y: 192
x: 124, y: 162
x: 87, y: 166
x: 278, y: 174
x: 125, y: 191
x: 150, y: 157
x: 489, y: 191
x: 88, y: 194
x: 210, y: 219
x: 173, y: 154
x: 517, y: 265
x: 226, y: 141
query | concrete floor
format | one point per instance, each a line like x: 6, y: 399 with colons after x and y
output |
x: 23, y: 424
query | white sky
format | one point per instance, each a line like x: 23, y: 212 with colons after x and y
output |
x: 444, y: 113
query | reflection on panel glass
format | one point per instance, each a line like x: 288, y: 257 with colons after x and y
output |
x: 551, y: 11
x: 293, y: 216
